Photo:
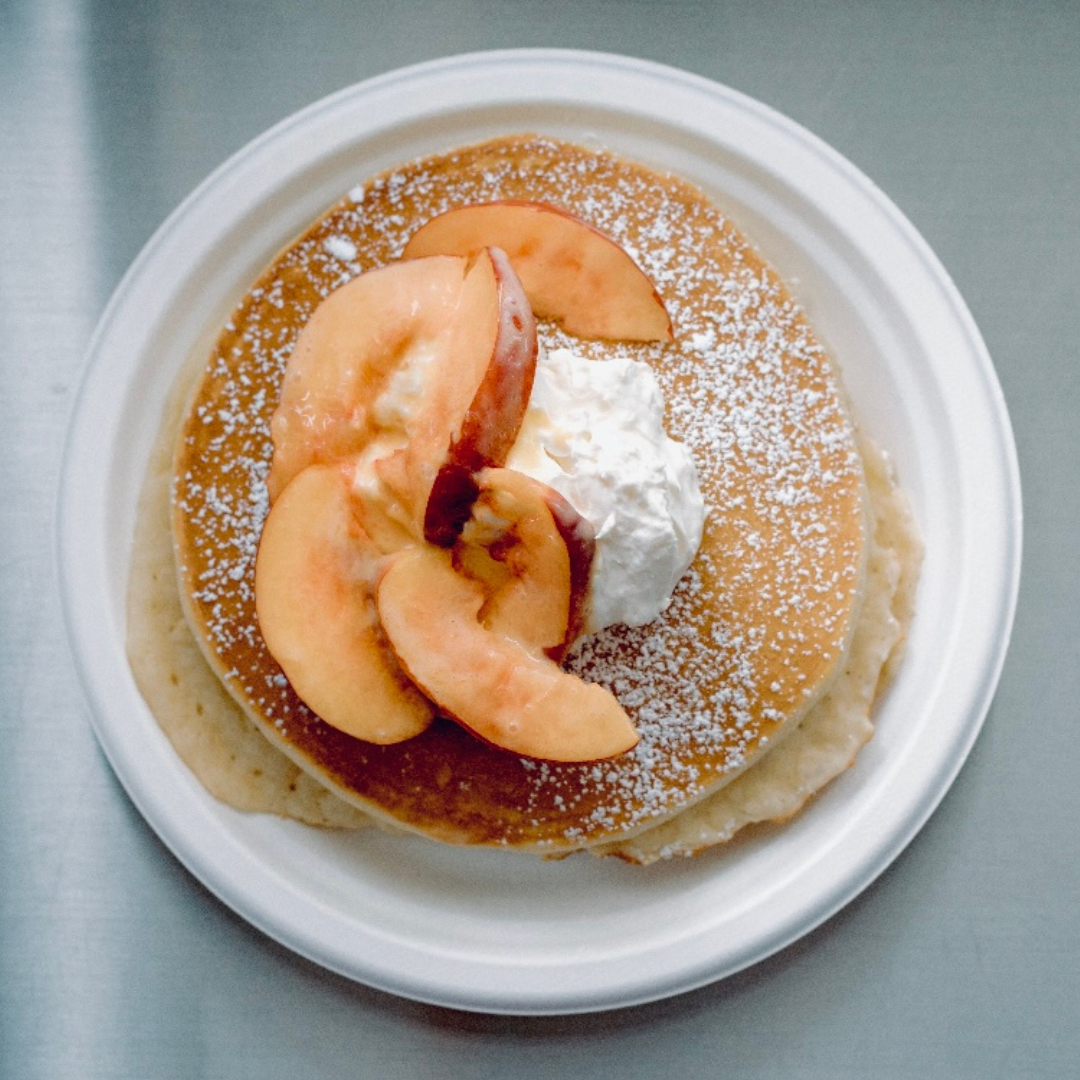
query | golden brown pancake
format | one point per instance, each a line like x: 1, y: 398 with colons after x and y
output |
x: 756, y: 631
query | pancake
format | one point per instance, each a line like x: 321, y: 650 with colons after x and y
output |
x: 758, y: 629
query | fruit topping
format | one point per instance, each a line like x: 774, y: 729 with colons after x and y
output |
x: 534, y: 552
x: 571, y: 272
x: 401, y: 561
x: 316, y: 611
x: 490, y: 425
x: 489, y: 683
x: 360, y: 360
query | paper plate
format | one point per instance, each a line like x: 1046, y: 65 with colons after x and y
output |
x: 484, y: 930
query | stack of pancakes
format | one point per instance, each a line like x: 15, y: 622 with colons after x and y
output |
x: 750, y: 692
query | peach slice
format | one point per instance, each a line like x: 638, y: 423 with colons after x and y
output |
x: 360, y: 365
x: 534, y: 553
x: 490, y: 684
x: 486, y: 432
x: 315, y: 605
x: 571, y: 271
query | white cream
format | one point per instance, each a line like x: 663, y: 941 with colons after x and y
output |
x: 594, y: 431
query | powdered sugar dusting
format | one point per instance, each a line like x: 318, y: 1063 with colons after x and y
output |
x: 762, y: 615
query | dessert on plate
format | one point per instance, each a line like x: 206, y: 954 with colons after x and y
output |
x: 518, y: 505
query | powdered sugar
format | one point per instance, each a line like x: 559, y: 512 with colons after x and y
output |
x: 760, y: 618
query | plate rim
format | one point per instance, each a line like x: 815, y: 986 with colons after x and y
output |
x: 591, y: 65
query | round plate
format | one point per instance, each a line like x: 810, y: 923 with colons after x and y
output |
x: 485, y: 930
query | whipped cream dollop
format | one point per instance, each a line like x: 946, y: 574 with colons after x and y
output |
x: 594, y: 431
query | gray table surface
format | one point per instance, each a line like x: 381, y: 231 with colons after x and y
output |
x: 962, y: 960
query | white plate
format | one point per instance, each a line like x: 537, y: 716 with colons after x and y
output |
x: 482, y: 930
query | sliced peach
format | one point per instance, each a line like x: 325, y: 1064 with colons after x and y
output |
x: 313, y: 596
x: 491, y: 422
x: 540, y: 552
x: 360, y: 365
x: 472, y: 407
x: 571, y: 271
x: 492, y: 685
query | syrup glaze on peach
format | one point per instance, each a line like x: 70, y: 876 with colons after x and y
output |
x: 759, y: 623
